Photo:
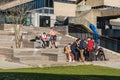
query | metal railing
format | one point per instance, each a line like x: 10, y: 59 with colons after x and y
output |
x: 106, y: 42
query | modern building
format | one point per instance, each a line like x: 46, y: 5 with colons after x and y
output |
x: 43, y: 12
x: 104, y: 14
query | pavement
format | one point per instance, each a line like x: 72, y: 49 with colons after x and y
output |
x: 13, y: 65
x: 111, y: 64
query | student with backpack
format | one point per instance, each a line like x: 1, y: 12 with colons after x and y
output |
x: 68, y: 53
x: 81, y: 50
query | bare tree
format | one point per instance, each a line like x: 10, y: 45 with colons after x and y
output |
x: 17, y: 16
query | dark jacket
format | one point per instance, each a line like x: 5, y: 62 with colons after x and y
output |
x: 73, y: 48
x: 82, y: 45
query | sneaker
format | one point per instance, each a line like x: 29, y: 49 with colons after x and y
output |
x: 56, y: 47
x: 73, y: 61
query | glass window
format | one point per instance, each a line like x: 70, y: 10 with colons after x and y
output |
x: 46, y: 10
x: 51, y: 11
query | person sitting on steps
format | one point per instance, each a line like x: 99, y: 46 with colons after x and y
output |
x: 53, y: 38
x: 39, y: 40
x: 100, y: 55
x: 44, y: 38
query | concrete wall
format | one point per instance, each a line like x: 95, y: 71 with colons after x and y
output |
x: 92, y: 16
x: 94, y: 2
x: 103, y: 2
x: 13, y: 4
x: 62, y: 29
x: 112, y: 3
x: 64, y: 9
x: 8, y: 52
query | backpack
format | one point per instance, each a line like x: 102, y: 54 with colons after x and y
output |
x: 84, y: 45
x: 65, y: 49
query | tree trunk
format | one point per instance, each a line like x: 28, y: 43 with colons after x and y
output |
x: 17, y: 35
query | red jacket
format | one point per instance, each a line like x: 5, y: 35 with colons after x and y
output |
x: 90, y: 46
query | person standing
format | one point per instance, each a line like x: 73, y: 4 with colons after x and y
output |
x: 74, y: 49
x: 90, y: 48
x: 82, y: 46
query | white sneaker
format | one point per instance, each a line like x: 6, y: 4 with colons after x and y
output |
x: 73, y: 61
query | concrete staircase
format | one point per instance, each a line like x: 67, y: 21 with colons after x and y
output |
x: 33, y: 56
x: 111, y: 55
x: 29, y: 56
x: 6, y: 39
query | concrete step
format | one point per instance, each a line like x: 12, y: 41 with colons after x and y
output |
x: 53, y: 63
x: 36, y: 29
x: 43, y: 57
x: 66, y: 40
x: 6, y: 32
x: 26, y: 58
x: 115, y: 60
x: 7, y: 37
x: 27, y: 51
x: 48, y: 54
x: 112, y: 56
x: 51, y: 50
x: 7, y: 44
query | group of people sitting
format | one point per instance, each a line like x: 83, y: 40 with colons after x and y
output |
x: 84, y: 50
x: 46, y: 41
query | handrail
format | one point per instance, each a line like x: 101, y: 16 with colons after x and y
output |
x: 106, y: 42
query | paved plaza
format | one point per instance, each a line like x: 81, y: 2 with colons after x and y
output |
x: 13, y: 65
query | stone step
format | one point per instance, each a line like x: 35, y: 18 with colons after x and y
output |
x: 43, y: 58
x: 26, y: 54
x: 6, y: 37
x: 46, y: 57
x: 116, y: 60
x: 64, y: 41
x: 112, y: 56
x: 7, y: 44
x: 51, y: 50
x: 67, y: 39
x: 7, y: 41
x: 25, y: 58
x: 38, y: 63
x: 26, y: 51
x: 62, y: 45
x: 6, y: 32
x: 32, y: 53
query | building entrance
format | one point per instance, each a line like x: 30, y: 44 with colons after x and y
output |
x: 44, y: 21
